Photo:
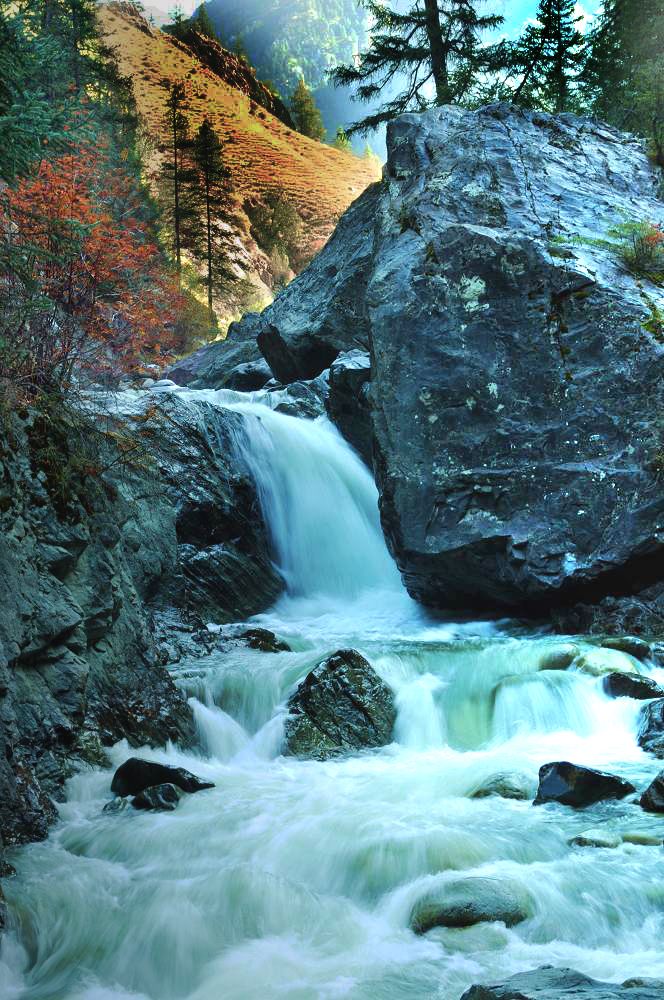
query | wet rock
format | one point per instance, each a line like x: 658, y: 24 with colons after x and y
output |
x: 348, y: 403
x: 598, y: 662
x: 506, y: 786
x: 215, y: 365
x: 136, y: 774
x: 248, y: 377
x: 574, y: 785
x: 471, y: 901
x: 342, y: 705
x: 264, y: 640
x: 549, y: 983
x: 163, y: 798
x: 597, y: 838
x: 559, y: 659
x: 632, y: 686
x: 632, y: 645
x: 651, y: 728
x: 642, y: 838
x: 652, y: 799
x: 116, y: 805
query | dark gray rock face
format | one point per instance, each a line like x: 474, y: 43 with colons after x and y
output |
x: 159, y: 798
x: 348, y: 403
x: 471, y: 901
x: 548, y: 983
x: 516, y: 376
x: 342, y: 705
x: 135, y: 775
x: 512, y: 374
x: 573, y: 785
x: 651, y: 728
x: 632, y: 686
x: 652, y: 799
x: 80, y: 665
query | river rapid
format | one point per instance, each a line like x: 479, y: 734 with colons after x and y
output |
x: 295, y: 879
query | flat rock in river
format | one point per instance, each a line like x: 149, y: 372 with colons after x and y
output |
x: 548, y: 983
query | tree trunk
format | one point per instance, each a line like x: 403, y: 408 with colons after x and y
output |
x: 438, y: 52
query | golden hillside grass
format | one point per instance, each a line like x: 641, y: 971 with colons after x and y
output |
x: 261, y: 152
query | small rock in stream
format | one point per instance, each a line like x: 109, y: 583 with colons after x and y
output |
x: 597, y: 838
x: 161, y: 797
x: 574, y: 785
x: 135, y: 775
x: 341, y: 705
x: 633, y: 646
x: 652, y: 799
x: 264, y: 640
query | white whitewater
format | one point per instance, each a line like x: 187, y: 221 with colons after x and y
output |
x: 294, y: 880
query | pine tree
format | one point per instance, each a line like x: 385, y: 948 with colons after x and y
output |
x: 177, y: 173
x: 435, y: 45
x: 623, y: 79
x: 305, y: 113
x: 202, y: 23
x: 548, y: 57
x: 213, y: 199
x: 179, y: 23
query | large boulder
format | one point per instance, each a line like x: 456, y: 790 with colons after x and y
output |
x: 548, y: 983
x: 651, y: 728
x: 573, y: 785
x: 469, y: 901
x: 342, y: 705
x: 515, y: 367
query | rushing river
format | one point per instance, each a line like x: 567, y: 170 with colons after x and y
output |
x: 295, y: 879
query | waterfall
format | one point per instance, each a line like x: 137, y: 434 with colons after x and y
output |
x: 320, y: 504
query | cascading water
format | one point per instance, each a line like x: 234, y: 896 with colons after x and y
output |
x: 295, y: 879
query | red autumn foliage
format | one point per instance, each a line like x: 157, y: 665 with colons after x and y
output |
x: 90, y: 287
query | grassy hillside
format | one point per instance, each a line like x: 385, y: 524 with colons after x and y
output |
x: 263, y: 154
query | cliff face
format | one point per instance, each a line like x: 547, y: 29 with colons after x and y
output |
x: 263, y: 154
x: 165, y: 522
x: 517, y: 356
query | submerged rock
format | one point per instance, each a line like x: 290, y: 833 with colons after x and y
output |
x: 632, y: 686
x: 597, y: 662
x: 651, y: 728
x: 135, y: 775
x: 163, y: 798
x: 574, y: 785
x: 549, y: 983
x: 341, y: 705
x: 471, y: 901
x: 506, y: 786
x: 597, y: 838
x: 652, y: 799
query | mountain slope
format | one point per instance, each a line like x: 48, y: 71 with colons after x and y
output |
x: 263, y: 154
